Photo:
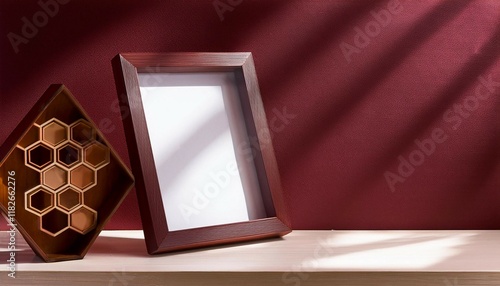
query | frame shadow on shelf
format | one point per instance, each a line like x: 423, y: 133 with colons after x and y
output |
x: 201, y: 150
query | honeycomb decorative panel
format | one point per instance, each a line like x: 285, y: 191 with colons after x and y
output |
x: 69, y: 199
x: 54, y: 132
x: 55, y: 177
x: 96, y: 155
x: 65, y: 179
x: 39, y: 156
x: 39, y: 200
x: 83, y: 219
x: 54, y: 222
x: 82, y: 132
x: 69, y: 155
x: 83, y: 177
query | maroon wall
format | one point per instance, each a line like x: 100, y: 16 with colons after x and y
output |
x: 393, y: 108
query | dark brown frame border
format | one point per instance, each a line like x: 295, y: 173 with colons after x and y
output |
x: 158, y: 238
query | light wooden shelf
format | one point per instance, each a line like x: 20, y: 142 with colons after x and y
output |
x: 445, y: 258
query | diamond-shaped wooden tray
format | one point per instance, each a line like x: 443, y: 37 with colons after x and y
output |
x: 60, y: 178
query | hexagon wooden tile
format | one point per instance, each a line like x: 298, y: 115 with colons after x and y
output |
x: 60, y: 178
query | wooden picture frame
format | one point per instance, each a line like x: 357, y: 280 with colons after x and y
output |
x: 144, y: 81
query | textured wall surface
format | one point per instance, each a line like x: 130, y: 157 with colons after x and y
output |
x: 389, y: 110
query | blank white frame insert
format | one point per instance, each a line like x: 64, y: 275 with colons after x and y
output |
x: 197, y: 133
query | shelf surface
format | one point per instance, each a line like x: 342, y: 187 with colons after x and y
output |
x: 290, y: 260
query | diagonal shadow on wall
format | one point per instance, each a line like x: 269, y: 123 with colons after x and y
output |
x: 327, y: 115
x: 466, y: 77
x: 293, y: 61
x: 55, y: 38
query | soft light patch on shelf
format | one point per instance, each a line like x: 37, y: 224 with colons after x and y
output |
x: 391, y: 251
